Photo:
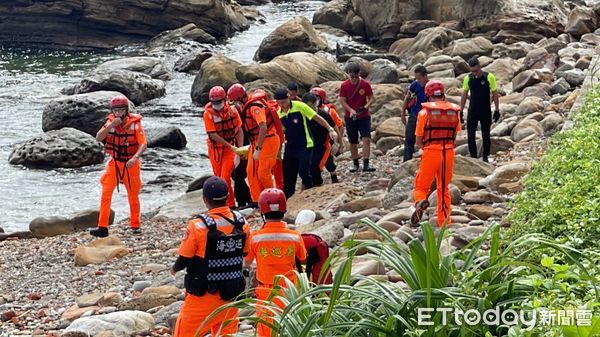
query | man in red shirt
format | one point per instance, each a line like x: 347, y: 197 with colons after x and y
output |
x: 356, y: 96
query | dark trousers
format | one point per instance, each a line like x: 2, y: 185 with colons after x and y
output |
x: 240, y: 188
x: 294, y: 164
x: 315, y: 171
x: 485, y: 118
x: 409, y: 138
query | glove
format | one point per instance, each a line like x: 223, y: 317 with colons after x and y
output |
x: 239, y: 151
x: 255, y: 154
x: 280, y: 153
x: 236, y: 161
x: 332, y: 134
x: 335, y: 148
x: 496, y: 116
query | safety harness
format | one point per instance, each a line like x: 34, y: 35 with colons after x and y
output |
x: 440, y: 128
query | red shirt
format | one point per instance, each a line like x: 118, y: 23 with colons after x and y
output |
x: 358, y: 100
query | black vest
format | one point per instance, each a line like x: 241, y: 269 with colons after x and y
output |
x: 480, y: 93
x: 221, y: 268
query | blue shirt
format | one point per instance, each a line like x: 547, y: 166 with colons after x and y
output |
x: 419, y: 92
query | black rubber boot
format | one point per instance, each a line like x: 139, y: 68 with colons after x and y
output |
x: 100, y: 232
x: 334, y: 178
x: 136, y: 231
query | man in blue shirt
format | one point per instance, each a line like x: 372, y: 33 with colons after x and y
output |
x: 297, y: 156
x: 412, y: 102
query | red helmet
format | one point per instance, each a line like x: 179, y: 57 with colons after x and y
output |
x: 119, y: 102
x: 216, y: 94
x: 434, y: 88
x: 272, y: 200
x: 236, y: 92
x: 319, y: 92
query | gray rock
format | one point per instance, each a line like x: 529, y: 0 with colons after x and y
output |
x: 575, y: 77
x: 530, y: 105
x: 560, y: 87
x: 526, y: 128
x: 454, y: 196
x: 481, y: 197
x: 509, y: 173
x: 141, y: 285
x: 151, y: 66
x: 552, y: 45
x: 384, y: 71
x: 186, y: 206
x: 525, y: 79
x: 551, y: 122
x: 121, y: 324
x: 465, y: 235
x: 189, y: 32
x: 191, y: 61
x: 138, y: 87
x: 469, y: 47
x: 581, y: 20
x: 66, y: 147
x: 163, y: 315
x: 514, y: 51
x: 84, y: 112
x: 55, y: 225
x: 197, y: 183
x: 167, y: 137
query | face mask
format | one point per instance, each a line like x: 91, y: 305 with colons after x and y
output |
x: 218, y: 106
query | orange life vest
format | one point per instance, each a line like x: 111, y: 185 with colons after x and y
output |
x: 121, y: 142
x: 225, y: 126
x: 250, y: 125
x: 442, y: 121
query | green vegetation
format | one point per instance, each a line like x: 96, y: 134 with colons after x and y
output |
x: 483, y: 275
x: 562, y: 192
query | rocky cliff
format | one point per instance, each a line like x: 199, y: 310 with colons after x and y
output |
x: 90, y: 24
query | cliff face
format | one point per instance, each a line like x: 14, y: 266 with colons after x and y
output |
x: 88, y: 24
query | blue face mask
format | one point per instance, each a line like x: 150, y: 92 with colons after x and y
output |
x: 218, y: 106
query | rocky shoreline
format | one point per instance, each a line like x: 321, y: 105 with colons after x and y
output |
x: 46, y: 284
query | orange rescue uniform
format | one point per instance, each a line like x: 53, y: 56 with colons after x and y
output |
x: 196, y: 309
x: 438, y: 157
x: 121, y: 144
x: 276, y: 249
x: 225, y: 123
x: 260, y: 172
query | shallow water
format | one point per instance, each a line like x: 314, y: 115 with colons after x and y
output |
x: 29, y: 79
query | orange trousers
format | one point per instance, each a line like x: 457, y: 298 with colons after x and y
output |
x: 130, y: 178
x: 196, y: 309
x: 262, y: 293
x: 434, y: 164
x: 278, y: 173
x: 222, y: 162
x: 260, y: 172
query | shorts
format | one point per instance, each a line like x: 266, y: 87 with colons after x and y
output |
x: 357, y: 127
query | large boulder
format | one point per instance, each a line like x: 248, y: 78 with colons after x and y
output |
x: 151, y: 66
x: 189, y: 32
x: 56, y: 225
x: 509, y: 173
x: 582, y: 20
x: 66, y: 147
x: 306, y: 69
x: 100, y: 251
x: 84, y: 112
x: 186, y: 206
x: 525, y: 128
x: 295, y: 35
x: 330, y: 231
x: 427, y: 41
x: 383, y: 18
x: 514, y: 51
x: 93, y: 24
x: 168, y: 137
x: 217, y: 70
x: 525, y: 79
x: 541, y: 58
x: 118, y: 324
x: 530, y: 105
x: 339, y: 14
x: 138, y: 87
x: 191, y: 61
x: 466, y: 48
x: 503, y: 69
x: 384, y: 71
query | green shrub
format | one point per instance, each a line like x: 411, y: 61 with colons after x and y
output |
x: 562, y: 192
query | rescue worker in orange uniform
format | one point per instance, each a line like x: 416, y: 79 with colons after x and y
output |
x: 262, y: 126
x: 276, y: 250
x: 124, y: 140
x: 437, y: 125
x: 317, y: 253
x: 223, y: 125
x: 332, y: 146
x: 212, y: 252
